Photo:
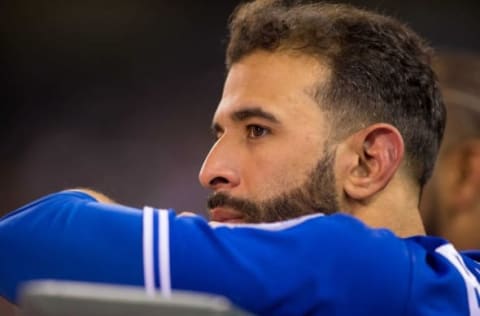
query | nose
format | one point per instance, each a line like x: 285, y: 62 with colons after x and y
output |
x: 220, y: 169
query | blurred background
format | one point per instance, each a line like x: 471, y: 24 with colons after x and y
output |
x: 118, y: 95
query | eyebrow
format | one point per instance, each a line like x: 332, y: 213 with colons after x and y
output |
x: 248, y: 113
x: 255, y: 112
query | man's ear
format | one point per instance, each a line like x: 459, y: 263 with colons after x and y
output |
x: 468, y: 186
x: 376, y: 153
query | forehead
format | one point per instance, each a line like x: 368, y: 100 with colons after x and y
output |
x: 278, y: 83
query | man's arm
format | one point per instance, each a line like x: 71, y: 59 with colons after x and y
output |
x: 329, y: 265
x: 70, y: 236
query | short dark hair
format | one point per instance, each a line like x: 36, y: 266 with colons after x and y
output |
x: 380, y: 69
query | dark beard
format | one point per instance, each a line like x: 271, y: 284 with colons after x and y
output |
x: 316, y: 195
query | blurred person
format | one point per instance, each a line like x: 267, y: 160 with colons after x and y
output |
x: 326, y: 110
x: 451, y: 201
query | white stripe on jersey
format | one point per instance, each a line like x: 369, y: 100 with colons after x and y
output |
x: 148, y: 268
x: 164, y: 253
x: 269, y: 226
x: 471, y: 283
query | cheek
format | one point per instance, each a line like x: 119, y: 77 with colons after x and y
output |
x: 272, y: 175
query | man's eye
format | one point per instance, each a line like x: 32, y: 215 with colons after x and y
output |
x: 255, y: 131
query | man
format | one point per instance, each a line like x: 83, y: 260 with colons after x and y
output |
x: 451, y: 203
x: 325, y: 108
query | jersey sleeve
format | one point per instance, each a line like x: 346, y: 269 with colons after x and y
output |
x: 70, y: 236
x: 325, y: 265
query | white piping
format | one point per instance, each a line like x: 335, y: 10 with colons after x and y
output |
x: 164, y: 253
x: 148, y: 266
x: 269, y: 226
x: 471, y: 283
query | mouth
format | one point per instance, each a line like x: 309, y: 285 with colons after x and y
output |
x: 224, y: 215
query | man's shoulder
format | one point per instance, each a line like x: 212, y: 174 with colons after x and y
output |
x: 443, y: 277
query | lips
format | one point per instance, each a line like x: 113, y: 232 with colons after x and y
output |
x: 224, y: 215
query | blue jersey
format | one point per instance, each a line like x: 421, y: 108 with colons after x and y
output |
x: 316, y: 265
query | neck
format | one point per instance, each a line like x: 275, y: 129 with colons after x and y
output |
x: 394, y: 208
x: 404, y: 224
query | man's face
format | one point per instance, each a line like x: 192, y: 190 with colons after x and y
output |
x: 270, y: 160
